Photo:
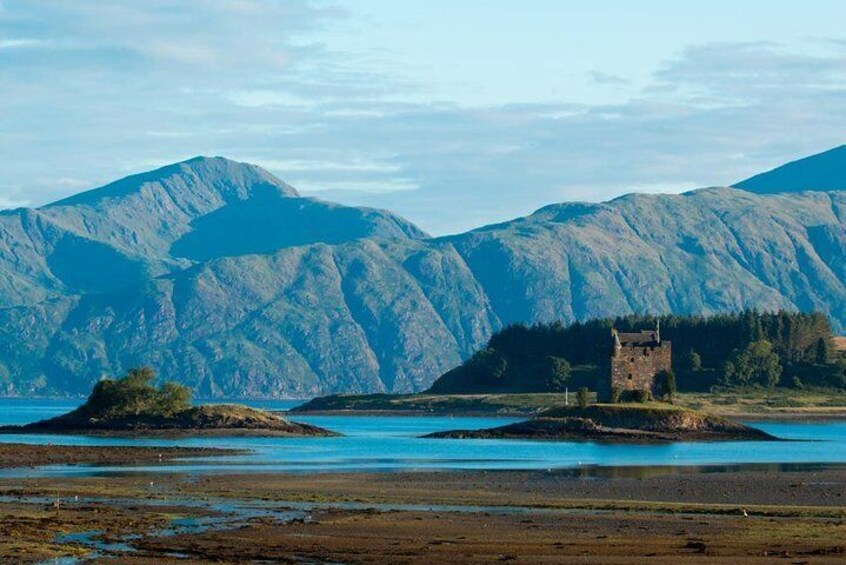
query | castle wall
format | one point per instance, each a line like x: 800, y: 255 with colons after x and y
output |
x: 635, y: 367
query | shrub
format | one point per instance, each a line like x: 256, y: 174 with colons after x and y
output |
x: 616, y: 395
x: 582, y: 397
x: 643, y: 395
x: 665, y: 385
x: 797, y: 383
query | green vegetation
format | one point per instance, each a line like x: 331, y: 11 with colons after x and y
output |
x: 757, y: 402
x: 134, y: 395
x: 665, y: 385
x: 502, y: 404
x: 745, y: 349
x: 133, y: 404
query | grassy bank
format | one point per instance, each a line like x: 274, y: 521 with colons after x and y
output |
x: 751, y: 403
x: 455, y: 404
x: 777, y: 403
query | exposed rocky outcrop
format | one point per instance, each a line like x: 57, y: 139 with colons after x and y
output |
x: 618, y: 423
x: 219, y: 419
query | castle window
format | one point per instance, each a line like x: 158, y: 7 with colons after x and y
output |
x: 630, y: 376
x: 646, y: 353
x: 632, y: 359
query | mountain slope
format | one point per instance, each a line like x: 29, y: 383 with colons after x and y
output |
x: 162, y: 222
x: 322, y: 298
x: 825, y: 172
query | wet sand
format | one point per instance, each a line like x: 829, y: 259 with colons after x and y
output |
x: 614, y: 516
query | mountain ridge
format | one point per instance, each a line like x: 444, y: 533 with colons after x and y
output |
x: 367, y: 302
x: 824, y: 171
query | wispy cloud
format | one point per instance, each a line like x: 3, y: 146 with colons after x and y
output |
x: 127, y: 85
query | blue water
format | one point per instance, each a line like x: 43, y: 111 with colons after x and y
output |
x: 388, y: 443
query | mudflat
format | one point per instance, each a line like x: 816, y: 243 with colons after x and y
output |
x: 625, y: 515
x: 28, y: 455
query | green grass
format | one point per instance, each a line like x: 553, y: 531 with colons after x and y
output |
x: 439, y: 403
x: 758, y: 401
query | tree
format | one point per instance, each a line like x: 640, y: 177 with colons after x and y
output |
x: 693, y: 362
x: 489, y: 363
x: 556, y: 373
x: 727, y: 372
x: 665, y: 385
x: 173, y: 398
x: 823, y: 354
x: 134, y: 395
x: 616, y: 394
x: 756, y: 365
x: 582, y: 397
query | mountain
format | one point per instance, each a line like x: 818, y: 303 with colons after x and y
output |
x: 221, y: 276
x: 164, y: 221
x: 824, y: 171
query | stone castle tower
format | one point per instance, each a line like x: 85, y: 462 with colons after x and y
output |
x: 635, y: 359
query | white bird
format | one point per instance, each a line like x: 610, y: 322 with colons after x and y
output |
x: 744, y: 513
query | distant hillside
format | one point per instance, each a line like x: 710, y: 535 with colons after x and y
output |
x: 823, y: 172
x: 217, y: 274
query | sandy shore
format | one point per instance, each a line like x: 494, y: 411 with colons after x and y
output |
x: 622, y: 515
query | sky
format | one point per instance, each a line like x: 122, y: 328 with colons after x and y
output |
x: 454, y: 114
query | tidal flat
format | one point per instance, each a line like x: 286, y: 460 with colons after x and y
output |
x: 626, y: 515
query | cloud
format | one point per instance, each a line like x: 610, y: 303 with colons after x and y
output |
x: 598, y: 77
x: 21, y: 43
x: 128, y: 85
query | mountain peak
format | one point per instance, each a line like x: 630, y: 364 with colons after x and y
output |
x: 211, y: 176
x: 824, y: 171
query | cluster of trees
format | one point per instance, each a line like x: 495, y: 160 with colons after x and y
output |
x: 488, y: 370
x: 748, y: 348
x: 135, y: 395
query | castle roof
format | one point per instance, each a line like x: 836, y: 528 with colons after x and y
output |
x: 642, y: 338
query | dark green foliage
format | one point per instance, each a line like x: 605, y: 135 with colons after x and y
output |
x: 134, y: 395
x: 693, y: 362
x: 556, y: 371
x: 665, y: 385
x: 823, y: 351
x: 616, y: 395
x: 756, y: 364
x: 489, y: 371
x: 582, y: 397
x: 797, y: 383
x: 643, y: 396
x: 724, y: 349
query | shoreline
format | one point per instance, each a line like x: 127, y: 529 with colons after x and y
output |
x: 469, y: 517
x: 163, y: 433
x: 760, y: 416
x: 28, y: 455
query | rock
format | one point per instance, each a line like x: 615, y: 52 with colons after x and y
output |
x: 618, y: 423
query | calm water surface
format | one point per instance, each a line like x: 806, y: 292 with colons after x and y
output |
x: 385, y: 443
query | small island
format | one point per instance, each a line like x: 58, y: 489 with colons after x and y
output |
x: 132, y: 405
x: 649, y: 423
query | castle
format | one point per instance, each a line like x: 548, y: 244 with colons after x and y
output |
x: 635, y: 359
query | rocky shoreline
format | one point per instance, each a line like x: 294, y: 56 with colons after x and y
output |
x: 204, y: 420
x: 617, y: 423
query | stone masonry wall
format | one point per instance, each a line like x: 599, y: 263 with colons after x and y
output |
x: 634, y: 368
